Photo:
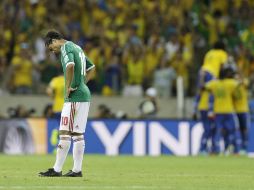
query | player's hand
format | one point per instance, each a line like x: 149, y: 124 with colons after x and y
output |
x: 69, y: 91
x: 211, y: 115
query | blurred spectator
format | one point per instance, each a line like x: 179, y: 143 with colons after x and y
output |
x: 120, y: 114
x: 148, y: 108
x: 133, y: 39
x: 3, y: 65
x: 77, y: 37
x: 163, y: 80
x: 104, y: 112
x: 153, y: 56
x: 20, y: 112
x: 48, y: 111
x: 172, y: 46
x: 135, y: 74
x: 178, y: 32
x: 55, y: 90
x: 40, y: 50
x: 113, y: 75
x: 49, y: 70
x: 181, y: 67
x: 22, y: 71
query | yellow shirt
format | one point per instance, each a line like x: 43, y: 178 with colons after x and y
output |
x: 57, y: 84
x: 241, y: 99
x: 152, y: 58
x: 212, y: 29
x: 219, y: 5
x: 23, y: 72
x: 204, y: 101
x: 213, y: 61
x: 135, y: 71
x: 222, y: 91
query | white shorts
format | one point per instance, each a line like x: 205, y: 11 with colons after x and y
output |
x: 74, y: 117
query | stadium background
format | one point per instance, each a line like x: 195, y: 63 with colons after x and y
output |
x: 132, y: 44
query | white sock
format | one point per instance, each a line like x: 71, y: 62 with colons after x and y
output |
x: 78, y: 152
x: 62, y: 151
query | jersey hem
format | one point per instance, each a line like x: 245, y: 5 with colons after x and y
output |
x: 70, y: 63
x: 76, y: 101
x: 90, y: 68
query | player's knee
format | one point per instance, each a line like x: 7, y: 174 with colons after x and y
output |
x: 63, y: 132
x: 65, y: 137
x: 65, y: 141
x: 78, y: 138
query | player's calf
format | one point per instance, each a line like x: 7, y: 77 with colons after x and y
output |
x: 78, y: 152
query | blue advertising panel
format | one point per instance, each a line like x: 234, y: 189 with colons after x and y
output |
x: 110, y: 137
x: 137, y: 137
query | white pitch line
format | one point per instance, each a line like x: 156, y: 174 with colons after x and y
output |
x: 84, y: 187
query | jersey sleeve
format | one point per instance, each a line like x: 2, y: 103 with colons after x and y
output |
x: 245, y: 82
x: 52, y: 83
x: 209, y: 86
x: 234, y: 84
x: 16, y: 61
x: 67, y: 52
x: 89, y: 64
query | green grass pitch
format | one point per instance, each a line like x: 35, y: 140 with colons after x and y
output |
x: 127, y: 172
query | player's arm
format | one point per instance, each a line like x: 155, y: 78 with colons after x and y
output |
x: 69, y: 73
x: 202, y: 78
x: 89, y: 74
x: 69, y: 78
x: 209, y: 88
x: 90, y: 70
x: 195, y: 106
x: 50, y: 89
x: 244, y: 82
x: 50, y: 92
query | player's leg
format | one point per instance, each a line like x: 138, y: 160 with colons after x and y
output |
x: 218, y: 132
x: 247, y: 127
x: 65, y: 137
x: 79, y: 126
x: 238, y: 140
x: 234, y: 132
x: 206, y: 126
x: 244, y: 125
x: 62, y: 151
x: 212, y: 135
x: 226, y: 139
x: 64, y: 143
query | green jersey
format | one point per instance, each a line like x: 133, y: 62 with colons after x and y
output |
x: 73, y: 54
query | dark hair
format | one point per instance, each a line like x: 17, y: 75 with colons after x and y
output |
x: 52, y: 34
x: 219, y: 45
x: 227, y: 71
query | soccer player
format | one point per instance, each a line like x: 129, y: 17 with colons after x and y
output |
x: 55, y: 90
x: 213, y: 61
x: 242, y: 110
x: 204, y: 108
x: 225, y: 118
x: 77, y: 70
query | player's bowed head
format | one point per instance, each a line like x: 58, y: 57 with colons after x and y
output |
x: 54, y: 40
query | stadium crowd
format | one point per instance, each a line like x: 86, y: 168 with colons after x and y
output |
x: 139, y: 48
x: 134, y: 44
